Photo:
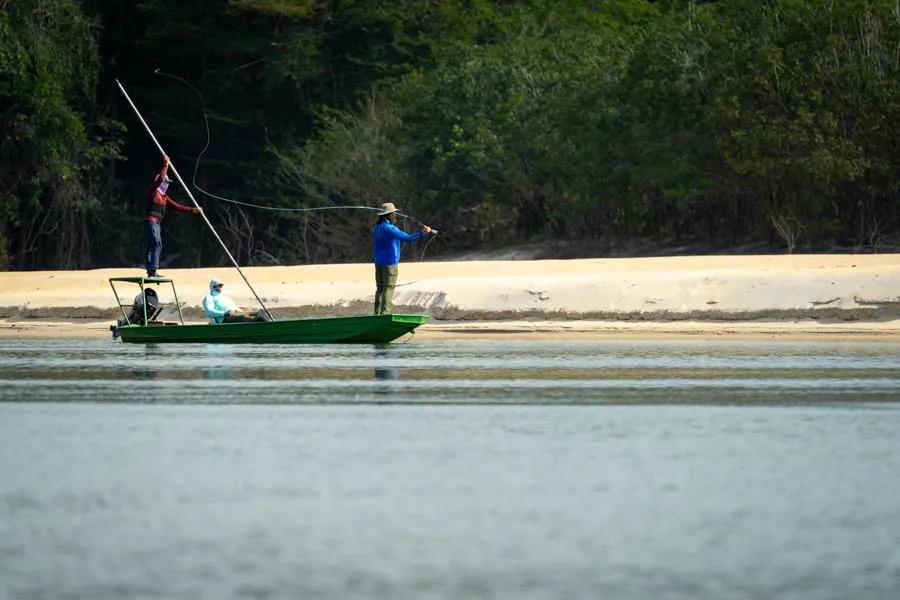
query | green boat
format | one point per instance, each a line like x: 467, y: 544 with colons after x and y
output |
x: 141, y: 325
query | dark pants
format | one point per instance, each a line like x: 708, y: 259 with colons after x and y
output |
x: 385, y: 280
x: 237, y: 316
x: 152, y: 246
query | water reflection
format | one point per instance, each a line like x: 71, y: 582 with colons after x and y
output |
x: 385, y: 357
x: 149, y: 369
x: 386, y: 373
x: 489, y: 372
x: 223, y: 361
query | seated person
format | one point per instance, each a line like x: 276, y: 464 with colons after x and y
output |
x: 222, y: 309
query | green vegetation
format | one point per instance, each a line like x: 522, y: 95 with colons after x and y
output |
x: 717, y: 125
x: 53, y: 139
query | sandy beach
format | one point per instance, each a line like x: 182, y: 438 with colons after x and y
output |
x: 795, y: 296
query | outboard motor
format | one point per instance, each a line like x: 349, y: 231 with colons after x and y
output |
x: 137, y: 308
x: 136, y: 315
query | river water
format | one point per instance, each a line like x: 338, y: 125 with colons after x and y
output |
x: 459, y: 469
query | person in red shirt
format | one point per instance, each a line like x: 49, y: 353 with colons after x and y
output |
x: 156, y: 212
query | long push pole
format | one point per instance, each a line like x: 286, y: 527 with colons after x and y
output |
x: 191, y: 196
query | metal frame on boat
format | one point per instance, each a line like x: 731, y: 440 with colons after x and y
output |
x: 142, y: 282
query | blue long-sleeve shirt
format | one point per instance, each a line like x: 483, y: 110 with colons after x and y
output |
x: 387, y: 242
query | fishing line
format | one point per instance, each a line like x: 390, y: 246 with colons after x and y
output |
x: 206, y: 147
x: 258, y: 206
x: 233, y: 201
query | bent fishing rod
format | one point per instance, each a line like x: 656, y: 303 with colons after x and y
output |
x: 191, y: 196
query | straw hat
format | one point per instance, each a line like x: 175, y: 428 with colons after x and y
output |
x: 387, y: 208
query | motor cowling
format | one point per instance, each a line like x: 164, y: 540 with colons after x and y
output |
x: 151, y: 298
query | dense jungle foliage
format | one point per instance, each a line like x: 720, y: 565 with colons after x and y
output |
x: 602, y: 127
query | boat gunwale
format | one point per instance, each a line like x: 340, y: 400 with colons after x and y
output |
x: 391, y: 327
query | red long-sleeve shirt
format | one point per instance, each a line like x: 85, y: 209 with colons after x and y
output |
x: 160, y: 200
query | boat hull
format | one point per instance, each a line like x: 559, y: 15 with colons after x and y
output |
x: 370, y: 329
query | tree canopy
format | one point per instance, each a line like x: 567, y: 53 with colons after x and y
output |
x: 714, y: 125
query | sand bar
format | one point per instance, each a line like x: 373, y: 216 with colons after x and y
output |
x: 695, y: 295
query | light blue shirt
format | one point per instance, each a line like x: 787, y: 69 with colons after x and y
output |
x: 216, y: 306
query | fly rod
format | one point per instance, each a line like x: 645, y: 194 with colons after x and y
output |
x: 191, y: 196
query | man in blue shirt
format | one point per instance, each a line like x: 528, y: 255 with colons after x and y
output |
x: 387, y: 255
